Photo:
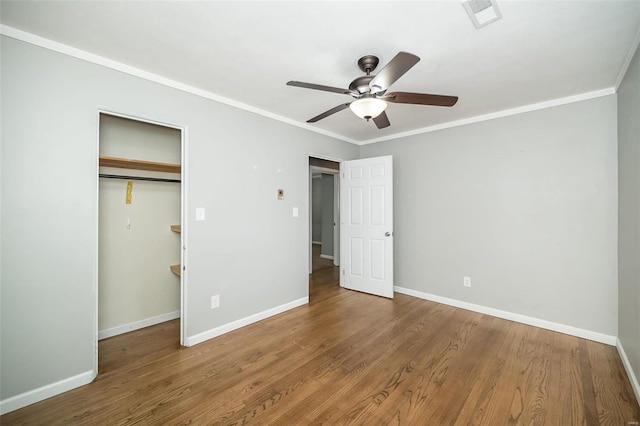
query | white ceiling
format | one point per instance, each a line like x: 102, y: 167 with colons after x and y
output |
x: 246, y: 51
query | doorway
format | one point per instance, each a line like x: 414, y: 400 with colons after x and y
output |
x: 324, y: 211
x: 140, y: 226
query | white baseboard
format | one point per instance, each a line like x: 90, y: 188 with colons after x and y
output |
x: 627, y: 366
x: 65, y: 385
x: 136, y: 325
x: 44, y: 392
x: 548, y: 325
x: 326, y: 256
x: 218, y: 331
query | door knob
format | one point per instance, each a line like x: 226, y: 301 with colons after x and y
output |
x: 387, y: 234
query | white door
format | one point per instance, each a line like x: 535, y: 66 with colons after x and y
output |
x: 366, y: 217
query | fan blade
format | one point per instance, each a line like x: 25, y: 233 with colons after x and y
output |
x: 400, y: 64
x: 328, y: 113
x: 419, y: 99
x: 319, y: 87
x: 382, y: 121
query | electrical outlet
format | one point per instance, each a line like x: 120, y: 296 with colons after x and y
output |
x: 215, y: 301
x: 467, y: 281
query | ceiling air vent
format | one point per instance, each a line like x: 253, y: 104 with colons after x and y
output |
x: 482, y: 12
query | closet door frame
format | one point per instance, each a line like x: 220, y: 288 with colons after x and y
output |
x: 183, y: 233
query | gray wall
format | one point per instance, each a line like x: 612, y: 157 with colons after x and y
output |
x: 327, y: 215
x: 629, y: 214
x: 250, y: 250
x: 316, y: 209
x: 524, y: 205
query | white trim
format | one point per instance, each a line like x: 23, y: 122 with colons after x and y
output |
x: 316, y: 242
x: 137, y: 325
x: 134, y: 117
x: 627, y: 366
x: 326, y: 256
x: 218, y: 331
x: 310, y: 222
x: 325, y: 170
x: 36, y: 395
x: 627, y: 61
x: 336, y: 219
x: 536, y: 322
x: 96, y: 261
x: 184, y: 231
x: 128, y: 69
x: 326, y: 157
x: 499, y: 114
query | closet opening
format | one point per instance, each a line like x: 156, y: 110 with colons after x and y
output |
x: 140, y: 199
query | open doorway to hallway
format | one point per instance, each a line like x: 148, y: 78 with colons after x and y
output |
x: 325, y: 275
x: 324, y: 220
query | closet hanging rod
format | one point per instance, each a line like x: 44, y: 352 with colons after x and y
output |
x: 149, y: 179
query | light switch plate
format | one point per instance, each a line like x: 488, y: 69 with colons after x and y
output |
x: 200, y: 213
x: 295, y: 212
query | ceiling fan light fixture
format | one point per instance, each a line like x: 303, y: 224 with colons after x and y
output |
x: 368, y: 108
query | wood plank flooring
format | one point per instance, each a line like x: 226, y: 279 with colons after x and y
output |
x: 351, y: 358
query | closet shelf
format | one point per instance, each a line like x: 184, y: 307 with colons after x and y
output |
x: 176, y: 269
x: 125, y: 163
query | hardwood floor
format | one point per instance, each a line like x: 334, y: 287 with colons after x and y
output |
x: 318, y: 263
x: 351, y: 358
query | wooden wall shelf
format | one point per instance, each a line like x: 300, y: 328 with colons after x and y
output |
x: 176, y: 269
x: 125, y: 163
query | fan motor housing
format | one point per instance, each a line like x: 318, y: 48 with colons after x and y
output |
x: 361, y: 84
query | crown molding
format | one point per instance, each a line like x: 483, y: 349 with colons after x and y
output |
x: 137, y: 72
x: 498, y: 114
x: 627, y: 61
x: 119, y: 66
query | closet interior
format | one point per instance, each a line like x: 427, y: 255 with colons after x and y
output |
x: 139, y: 225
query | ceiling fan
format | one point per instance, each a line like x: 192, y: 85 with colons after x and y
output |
x: 370, y: 91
